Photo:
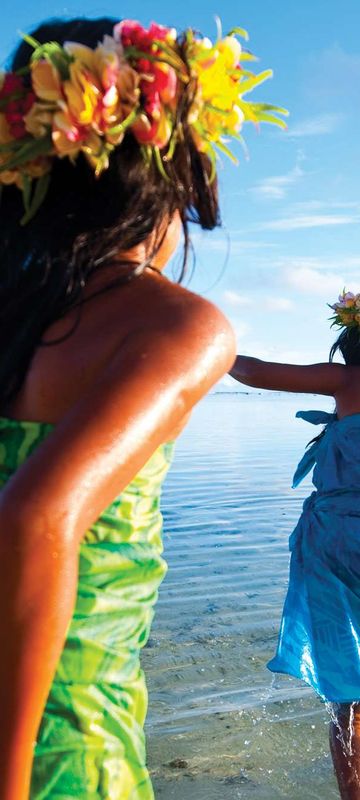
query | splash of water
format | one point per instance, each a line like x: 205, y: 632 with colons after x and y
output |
x: 346, y: 736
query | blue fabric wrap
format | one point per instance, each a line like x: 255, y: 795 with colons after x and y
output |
x: 319, y: 638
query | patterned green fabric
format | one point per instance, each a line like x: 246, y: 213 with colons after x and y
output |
x: 91, y: 742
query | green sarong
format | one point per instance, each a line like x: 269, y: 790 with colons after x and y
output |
x: 90, y: 744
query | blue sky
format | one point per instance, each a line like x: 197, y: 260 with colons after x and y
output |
x: 291, y: 212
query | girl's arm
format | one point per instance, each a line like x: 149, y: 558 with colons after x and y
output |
x: 154, y: 379
x: 322, y: 378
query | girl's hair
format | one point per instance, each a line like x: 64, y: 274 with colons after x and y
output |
x: 85, y: 221
x: 348, y: 344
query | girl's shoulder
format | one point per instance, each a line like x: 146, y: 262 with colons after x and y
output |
x: 81, y: 344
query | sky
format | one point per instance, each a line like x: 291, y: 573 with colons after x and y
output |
x: 290, y: 238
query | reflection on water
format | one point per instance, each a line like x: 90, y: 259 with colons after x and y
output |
x: 220, y: 725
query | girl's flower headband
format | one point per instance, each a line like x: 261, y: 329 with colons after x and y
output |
x: 347, y: 310
x: 82, y: 100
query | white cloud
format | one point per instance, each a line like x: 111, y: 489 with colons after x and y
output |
x: 274, y: 187
x: 236, y: 299
x: 316, y: 126
x: 278, y: 304
x: 308, y: 221
x: 310, y: 281
x: 325, y: 205
x: 340, y: 263
x: 271, y: 303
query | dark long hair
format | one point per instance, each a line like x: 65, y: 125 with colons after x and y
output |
x: 348, y: 344
x: 85, y: 221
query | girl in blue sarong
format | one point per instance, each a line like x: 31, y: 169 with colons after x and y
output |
x: 319, y: 638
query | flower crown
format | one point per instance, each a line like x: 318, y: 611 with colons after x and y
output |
x: 347, y: 310
x: 83, y: 100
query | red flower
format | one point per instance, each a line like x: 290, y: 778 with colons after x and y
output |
x: 159, y: 85
x: 20, y: 101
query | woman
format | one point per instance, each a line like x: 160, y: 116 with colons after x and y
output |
x: 106, y: 132
x: 320, y: 629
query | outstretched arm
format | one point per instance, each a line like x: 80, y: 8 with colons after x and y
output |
x: 321, y: 378
x: 153, y: 380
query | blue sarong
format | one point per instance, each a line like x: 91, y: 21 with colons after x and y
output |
x: 319, y: 638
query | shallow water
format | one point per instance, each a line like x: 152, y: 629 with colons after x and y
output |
x: 220, y: 725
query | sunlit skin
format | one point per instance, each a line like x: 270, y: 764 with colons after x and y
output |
x: 343, y: 383
x: 124, y: 382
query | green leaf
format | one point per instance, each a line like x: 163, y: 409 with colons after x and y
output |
x: 9, y: 146
x: 249, y: 84
x: 30, y: 40
x: 223, y: 111
x: 171, y: 149
x: 27, y: 185
x: 146, y: 152
x: 31, y: 149
x: 245, y: 55
x: 124, y: 124
x: 173, y: 56
x: 56, y: 55
x: 221, y: 146
x: 270, y: 107
x: 159, y: 164
x: 239, y: 32
x: 41, y: 188
x: 270, y: 118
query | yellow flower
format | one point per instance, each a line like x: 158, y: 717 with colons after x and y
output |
x: 120, y: 85
x: 107, y: 63
x: 96, y: 153
x: 8, y: 176
x: 46, y: 81
x: 82, y: 53
x: 34, y: 169
x: 40, y: 166
x: 38, y: 120
x: 66, y: 136
x: 82, y: 92
x: 230, y: 49
x: 120, y: 100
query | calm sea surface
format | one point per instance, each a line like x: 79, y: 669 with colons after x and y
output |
x: 220, y: 725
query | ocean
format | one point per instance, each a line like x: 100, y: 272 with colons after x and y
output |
x: 220, y: 725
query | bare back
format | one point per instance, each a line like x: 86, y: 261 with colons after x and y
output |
x: 61, y: 373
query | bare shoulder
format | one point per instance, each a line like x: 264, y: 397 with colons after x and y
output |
x: 176, y: 317
x: 173, y: 301
x: 148, y: 315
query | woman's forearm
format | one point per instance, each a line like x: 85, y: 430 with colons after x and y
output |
x: 38, y: 577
